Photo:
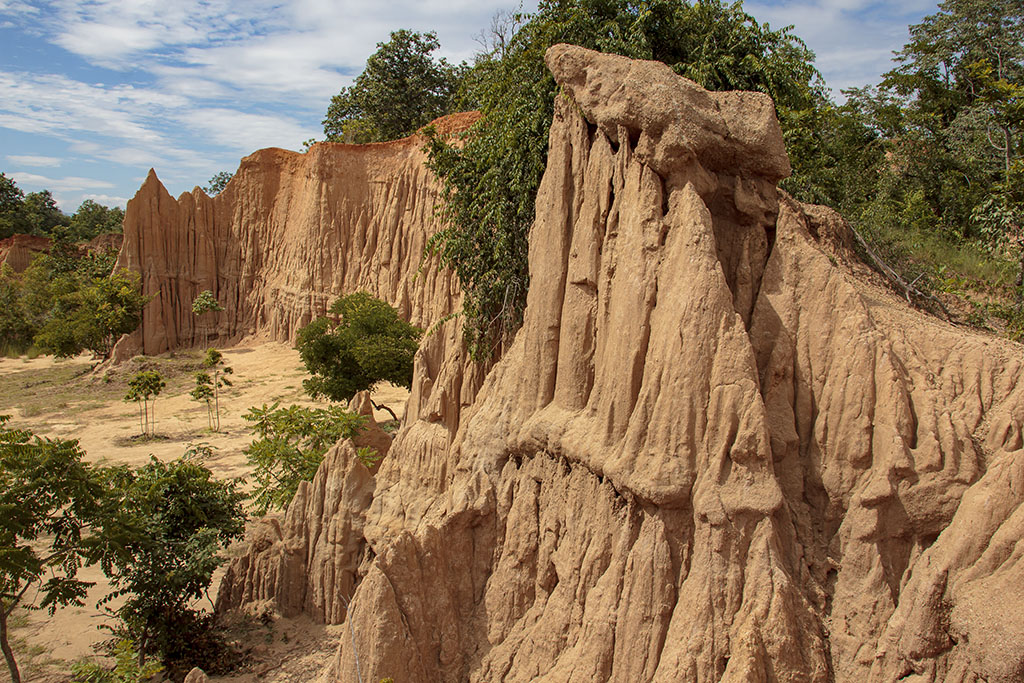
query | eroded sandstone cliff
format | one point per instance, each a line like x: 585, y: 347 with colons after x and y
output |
x: 288, y: 234
x: 714, y: 451
x: 17, y: 251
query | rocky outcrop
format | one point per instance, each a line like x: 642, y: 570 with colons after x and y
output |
x: 105, y: 242
x: 17, y: 251
x: 288, y: 234
x: 714, y: 451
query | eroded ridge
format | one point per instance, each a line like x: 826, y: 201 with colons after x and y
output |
x: 288, y: 234
x: 713, y: 452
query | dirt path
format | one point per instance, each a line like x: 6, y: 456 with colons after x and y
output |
x: 66, y: 399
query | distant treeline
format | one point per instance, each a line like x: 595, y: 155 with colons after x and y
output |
x: 36, y: 213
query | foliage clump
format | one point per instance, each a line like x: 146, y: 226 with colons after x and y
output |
x: 209, y: 382
x: 218, y: 182
x: 289, y: 446
x: 91, y: 313
x: 126, y: 667
x: 401, y: 89
x: 57, y: 290
x: 168, y: 523
x: 37, y: 213
x: 143, y: 388
x: 363, y: 344
x: 205, y: 302
x: 927, y: 164
x: 50, y: 501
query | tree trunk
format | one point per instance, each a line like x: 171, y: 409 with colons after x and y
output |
x: 142, y: 649
x: 12, y: 666
x: 216, y: 396
x: 381, y: 406
x: 1007, y: 150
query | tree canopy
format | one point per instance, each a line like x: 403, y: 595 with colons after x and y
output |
x: 289, y: 446
x: 927, y: 164
x: 37, y: 213
x: 168, y: 522
x: 91, y: 313
x: 363, y: 344
x: 218, y: 182
x: 401, y: 89
x: 93, y: 219
x: 49, y: 498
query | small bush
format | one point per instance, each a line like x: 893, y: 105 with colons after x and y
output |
x: 289, y: 447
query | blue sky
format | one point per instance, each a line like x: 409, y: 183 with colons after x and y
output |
x: 95, y: 92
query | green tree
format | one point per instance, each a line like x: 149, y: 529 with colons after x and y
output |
x: 162, y: 549
x: 364, y: 344
x: 218, y: 182
x: 12, y: 199
x: 16, y: 331
x: 35, y: 213
x: 91, y: 313
x: 143, y: 388
x: 93, y: 219
x: 42, y: 214
x: 49, y: 499
x: 203, y: 392
x: 27, y: 299
x: 205, y: 302
x: 958, y: 81
x: 208, y: 385
x: 401, y: 89
x: 490, y: 178
x: 289, y: 446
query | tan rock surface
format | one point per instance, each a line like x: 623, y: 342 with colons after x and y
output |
x: 287, y: 235
x: 17, y: 251
x: 714, y: 452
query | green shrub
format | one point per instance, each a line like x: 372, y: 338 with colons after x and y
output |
x: 290, y: 446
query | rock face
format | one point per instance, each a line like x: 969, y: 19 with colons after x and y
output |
x: 287, y: 235
x: 17, y: 251
x: 714, y: 452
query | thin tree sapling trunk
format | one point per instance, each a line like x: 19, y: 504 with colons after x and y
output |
x: 5, y: 644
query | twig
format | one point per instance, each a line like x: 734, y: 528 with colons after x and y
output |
x: 381, y: 406
x: 887, y: 270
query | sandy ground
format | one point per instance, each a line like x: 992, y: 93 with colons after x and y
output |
x: 263, y: 373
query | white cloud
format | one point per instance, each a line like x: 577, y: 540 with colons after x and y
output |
x: 261, y: 48
x: 59, y: 105
x: 30, y: 160
x: 15, y: 7
x: 106, y: 199
x: 110, y: 32
x: 853, y: 39
x: 246, y: 132
x: 67, y: 184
